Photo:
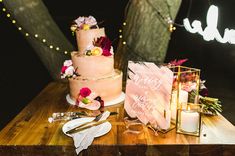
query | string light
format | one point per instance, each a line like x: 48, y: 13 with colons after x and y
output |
x: 27, y: 34
x: 44, y: 41
x: 120, y: 31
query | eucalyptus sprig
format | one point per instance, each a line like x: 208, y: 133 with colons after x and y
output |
x: 210, y: 106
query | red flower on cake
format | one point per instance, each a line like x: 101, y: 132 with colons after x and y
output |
x: 63, y: 69
x: 106, y: 52
x: 84, y: 92
x: 105, y: 44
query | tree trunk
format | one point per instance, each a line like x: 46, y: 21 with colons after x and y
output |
x: 34, y: 18
x: 146, y: 33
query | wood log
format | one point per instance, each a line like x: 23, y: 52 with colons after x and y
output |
x: 146, y: 32
x: 34, y: 18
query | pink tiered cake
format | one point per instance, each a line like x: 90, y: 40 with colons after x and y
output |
x: 92, y: 66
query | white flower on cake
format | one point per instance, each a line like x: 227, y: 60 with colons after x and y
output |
x: 90, y: 20
x: 111, y: 50
x: 67, y: 70
x: 79, y: 21
x: 68, y: 63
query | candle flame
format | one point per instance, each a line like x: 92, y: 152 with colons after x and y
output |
x: 188, y: 108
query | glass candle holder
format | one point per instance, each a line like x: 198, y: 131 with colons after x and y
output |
x: 189, y: 119
x: 185, y: 88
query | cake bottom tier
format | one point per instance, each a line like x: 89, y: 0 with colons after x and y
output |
x: 108, y: 87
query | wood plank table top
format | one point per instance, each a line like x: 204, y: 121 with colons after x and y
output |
x: 30, y: 133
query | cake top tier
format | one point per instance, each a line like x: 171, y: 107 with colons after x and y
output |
x: 91, y: 40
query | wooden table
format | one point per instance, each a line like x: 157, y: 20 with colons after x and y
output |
x: 30, y: 133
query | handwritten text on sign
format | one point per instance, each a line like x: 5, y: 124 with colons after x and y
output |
x: 148, y: 93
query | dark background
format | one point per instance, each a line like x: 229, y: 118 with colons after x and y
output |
x: 23, y: 75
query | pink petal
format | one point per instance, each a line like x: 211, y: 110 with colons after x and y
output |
x: 94, y: 105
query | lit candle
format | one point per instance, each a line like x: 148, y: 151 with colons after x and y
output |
x: 189, y: 120
x: 183, y: 99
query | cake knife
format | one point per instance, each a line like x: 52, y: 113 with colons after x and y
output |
x: 79, y: 129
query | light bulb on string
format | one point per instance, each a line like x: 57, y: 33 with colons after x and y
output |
x: 27, y: 34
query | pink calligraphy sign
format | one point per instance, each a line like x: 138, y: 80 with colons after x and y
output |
x: 148, y: 93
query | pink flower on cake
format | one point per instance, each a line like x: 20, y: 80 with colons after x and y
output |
x: 89, y: 100
x: 83, y: 23
x: 84, y: 92
x: 68, y: 63
x: 93, y: 105
x: 80, y: 21
x: 90, y: 21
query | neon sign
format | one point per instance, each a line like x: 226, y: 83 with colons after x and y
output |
x: 210, y: 32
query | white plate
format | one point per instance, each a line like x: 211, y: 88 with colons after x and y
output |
x: 109, y: 103
x: 104, y: 127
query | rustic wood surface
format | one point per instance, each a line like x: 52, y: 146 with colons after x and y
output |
x: 30, y: 133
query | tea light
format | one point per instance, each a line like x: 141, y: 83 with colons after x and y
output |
x: 189, y: 120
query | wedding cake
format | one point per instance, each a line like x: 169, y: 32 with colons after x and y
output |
x: 92, y: 66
